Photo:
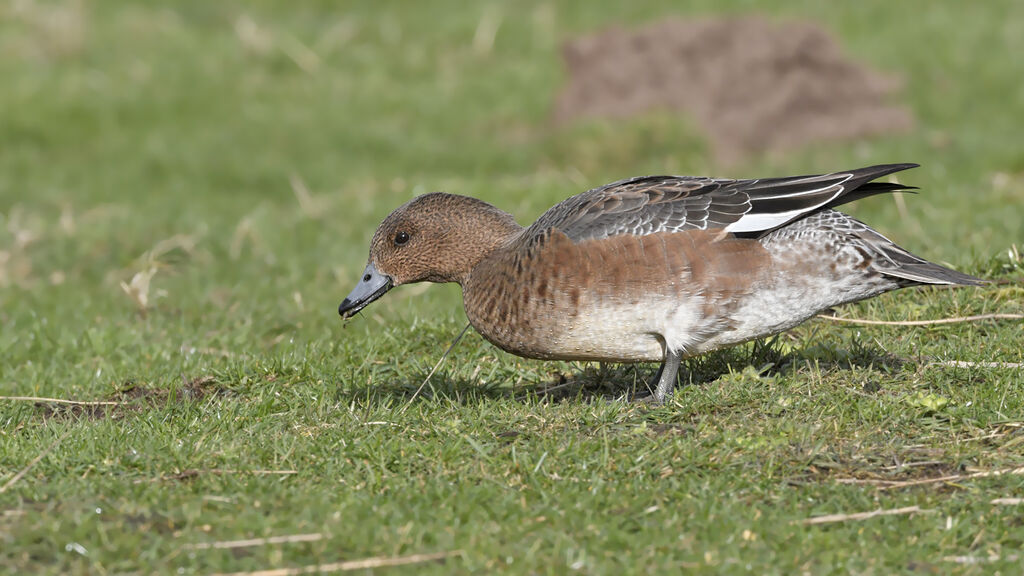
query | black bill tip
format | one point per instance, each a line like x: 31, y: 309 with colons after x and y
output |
x: 371, y: 286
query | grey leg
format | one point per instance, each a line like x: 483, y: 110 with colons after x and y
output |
x: 666, y: 376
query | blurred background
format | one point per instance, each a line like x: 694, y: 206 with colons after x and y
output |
x: 188, y: 190
x: 209, y: 173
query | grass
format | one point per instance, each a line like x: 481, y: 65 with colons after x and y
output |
x: 239, y: 155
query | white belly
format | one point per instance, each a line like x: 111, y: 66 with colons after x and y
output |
x: 618, y: 332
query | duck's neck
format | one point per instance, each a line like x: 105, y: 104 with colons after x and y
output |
x: 486, y: 229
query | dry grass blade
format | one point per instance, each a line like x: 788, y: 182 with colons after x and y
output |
x: 887, y: 484
x: 486, y: 31
x: 1008, y: 501
x: 980, y: 559
x: 832, y: 518
x: 303, y: 56
x: 349, y: 565
x: 229, y: 544
x: 307, y: 204
x: 138, y: 288
x: 954, y: 320
x: 549, y: 390
x: 43, y: 400
x: 34, y: 461
x: 187, y: 474
x: 965, y: 364
x: 434, y: 369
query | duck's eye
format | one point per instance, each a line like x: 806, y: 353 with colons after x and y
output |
x: 401, y: 238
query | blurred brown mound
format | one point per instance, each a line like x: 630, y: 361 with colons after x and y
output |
x: 751, y: 84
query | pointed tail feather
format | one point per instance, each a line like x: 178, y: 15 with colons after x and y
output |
x: 872, y: 189
x: 861, y: 185
x: 898, y: 263
x: 924, y: 272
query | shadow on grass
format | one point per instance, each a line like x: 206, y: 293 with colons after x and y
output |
x: 610, y: 381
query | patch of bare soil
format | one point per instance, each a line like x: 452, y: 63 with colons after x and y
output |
x: 133, y: 397
x: 751, y: 84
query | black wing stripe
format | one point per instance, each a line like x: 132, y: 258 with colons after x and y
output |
x: 780, y: 204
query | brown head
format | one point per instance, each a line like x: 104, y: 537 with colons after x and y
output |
x: 436, y: 237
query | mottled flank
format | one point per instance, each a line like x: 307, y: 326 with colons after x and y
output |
x: 649, y: 269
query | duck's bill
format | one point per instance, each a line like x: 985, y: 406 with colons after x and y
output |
x: 371, y: 286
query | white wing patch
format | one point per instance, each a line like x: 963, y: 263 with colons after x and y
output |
x: 758, y: 221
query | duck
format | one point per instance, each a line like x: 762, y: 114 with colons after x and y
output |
x: 651, y: 268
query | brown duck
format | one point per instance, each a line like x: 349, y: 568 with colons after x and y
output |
x: 656, y: 268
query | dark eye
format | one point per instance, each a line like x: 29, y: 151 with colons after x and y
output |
x: 401, y: 238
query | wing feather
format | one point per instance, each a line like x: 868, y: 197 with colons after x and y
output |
x: 652, y: 204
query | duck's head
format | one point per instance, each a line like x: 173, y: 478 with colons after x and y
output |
x: 436, y: 237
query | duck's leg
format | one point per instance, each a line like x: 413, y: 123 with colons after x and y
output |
x: 665, y: 380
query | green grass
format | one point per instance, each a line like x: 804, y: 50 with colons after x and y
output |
x: 136, y: 137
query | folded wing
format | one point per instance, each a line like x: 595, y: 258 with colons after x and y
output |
x: 653, y: 204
